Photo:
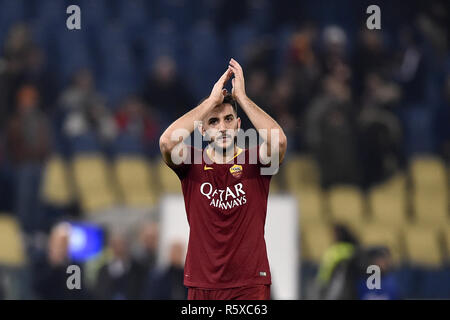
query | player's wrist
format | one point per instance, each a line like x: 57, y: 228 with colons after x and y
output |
x: 241, y: 97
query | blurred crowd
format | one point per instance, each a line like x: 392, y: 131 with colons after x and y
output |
x: 361, y: 101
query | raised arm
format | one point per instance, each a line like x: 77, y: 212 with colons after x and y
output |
x: 185, y: 125
x: 259, y: 118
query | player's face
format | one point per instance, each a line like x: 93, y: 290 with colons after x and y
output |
x: 221, y: 126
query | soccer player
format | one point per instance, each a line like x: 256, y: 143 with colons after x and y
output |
x: 225, y: 193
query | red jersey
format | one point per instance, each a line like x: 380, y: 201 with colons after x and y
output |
x: 226, y: 207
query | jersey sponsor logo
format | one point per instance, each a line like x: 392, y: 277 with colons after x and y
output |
x: 236, y: 171
x: 207, y: 168
x: 225, y: 199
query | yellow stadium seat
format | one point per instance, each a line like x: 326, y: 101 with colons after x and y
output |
x: 447, y: 240
x: 346, y: 205
x: 11, y: 245
x: 56, y: 188
x: 431, y: 208
x: 300, y: 172
x: 430, y: 190
x: 388, y: 202
x: 135, y: 181
x: 316, y: 238
x: 92, y: 180
x: 274, y: 186
x: 168, y: 180
x: 428, y: 173
x: 422, y: 246
x: 310, y: 206
x: 382, y: 235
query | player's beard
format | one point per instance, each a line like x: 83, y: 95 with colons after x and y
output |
x: 225, y: 150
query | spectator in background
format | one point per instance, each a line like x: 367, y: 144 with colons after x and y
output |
x: 334, y: 48
x: 331, y: 131
x: 36, y: 73
x: 165, y: 90
x: 258, y: 85
x: 281, y: 107
x: 28, y: 143
x: 442, y: 121
x: 167, y: 284
x: 380, y: 130
x: 370, y: 56
x: 85, y: 109
x: 381, y: 257
x: 12, y: 66
x: 138, y: 121
x: 146, y: 253
x: 337, y: 271
x: 50, y: 269
x: 304, y: 67
x: 411, y: 69
x: 121, y: 277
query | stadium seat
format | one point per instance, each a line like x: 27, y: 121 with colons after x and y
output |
x: 84, y: 143
x: 310, y: 206
x: 167, y: 179
x: 128, y: 143
x: 346, y: 205
x: 133, y: 15
x: 418, y: 127
x: 447, y: 242
x: 382, y: 235
x: 206, y: 55
x: 12, y: 12
x: 300, y: 172
x: 315, y: 238
x: 93, y: 183
x: 388, y: 202
x: 422, y: 246
x: 57, y: 189
x: 11, y: 244
x: 431, y: 209
x: 169, y: 44
x: 134, y: 180
x: 49, y: 11
x: 241, y: 38
x: 428, y: 173
x: 275, y: 185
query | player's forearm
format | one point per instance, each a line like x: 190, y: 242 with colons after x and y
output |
x: 262, y: 121
x: 181, y: 128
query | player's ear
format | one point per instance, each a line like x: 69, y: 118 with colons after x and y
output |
x: 238, y: 123
x: 201, y: 128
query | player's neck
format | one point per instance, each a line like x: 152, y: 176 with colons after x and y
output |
x: 226, y: 156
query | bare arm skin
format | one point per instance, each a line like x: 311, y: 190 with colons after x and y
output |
x: 186, y: 122
x: 259, y: 118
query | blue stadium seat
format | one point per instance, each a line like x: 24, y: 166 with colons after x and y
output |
x: 73, y: 53
x: 283, y: 37
x: 50, y: 11
x: 85, y: 143
x: 240, y: 39
x: 130, y: 144
x: 207, y: 60
x: 95, y: 13
x: 418, y: 122
x: 179, y: 11
x: 134, y: 16
x: 163, y: 39
x: 260, y: 14
x: 115, y: 89
x: 436, y: 284
x: 11, y: 12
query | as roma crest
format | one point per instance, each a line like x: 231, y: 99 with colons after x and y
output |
x: 236, y: 171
